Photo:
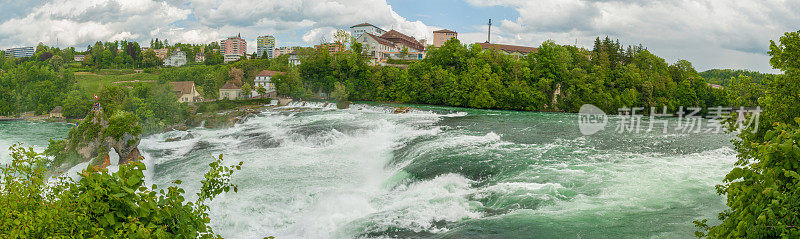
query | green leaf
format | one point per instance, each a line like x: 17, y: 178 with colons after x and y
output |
x: 110, y: 219
x: 133, y: 181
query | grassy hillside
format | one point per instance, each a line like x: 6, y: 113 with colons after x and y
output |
x: 92, y: 82
x: 722, y: 77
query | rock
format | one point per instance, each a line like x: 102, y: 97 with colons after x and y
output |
x: 95, y: 136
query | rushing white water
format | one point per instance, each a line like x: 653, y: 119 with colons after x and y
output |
x: 311, y: 171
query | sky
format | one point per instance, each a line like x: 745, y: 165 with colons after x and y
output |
x: 712, y: 34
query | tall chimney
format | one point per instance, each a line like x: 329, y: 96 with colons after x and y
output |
x: 489, y: 40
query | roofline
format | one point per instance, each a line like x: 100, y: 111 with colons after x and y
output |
x: 367, y: 24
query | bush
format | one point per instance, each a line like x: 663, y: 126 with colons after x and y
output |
x: 102, y: 205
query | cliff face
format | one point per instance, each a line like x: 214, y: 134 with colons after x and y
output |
x: 92, y: 139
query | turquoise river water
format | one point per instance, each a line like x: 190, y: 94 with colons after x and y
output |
x: 437, y: 172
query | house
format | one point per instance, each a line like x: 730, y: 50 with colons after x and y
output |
x: 376, y: 47
x: 442, y: 36
x: 401, y: 41
x: 331, y: 47
x: 284, y: 50
x: 390, y: 45
x: 358, y: 30
x: 199, y: 57
x: 229, y: 91
x: 56, y: 113
x: 78, y: 58
x: 176, y: 59
x: 294, y: 58
x: 713, y: 86
x: 264, y: 79
x: 185, y: 91
x: 161, y: 53
x: 517, y: 51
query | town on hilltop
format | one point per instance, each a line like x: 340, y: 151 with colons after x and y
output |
x: 380, y: 47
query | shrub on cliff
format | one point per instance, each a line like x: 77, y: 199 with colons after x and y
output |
x: 100, y: 204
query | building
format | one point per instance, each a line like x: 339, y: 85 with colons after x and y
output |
x: 176, y: 59
x: 357, y: 30
x: 162, y: 53
x: 185, y: 91
x: 20, y: 52
x: 442, y: 36
x: 332, y: 47
x: 294, y: 58
x: 229, y: 91
x: 391, y: 45
x: 265, y: 45
x: 56, y: 113
x: 518, y: 51
x: 403, y: 41
x: 264, y: 79
x: 78, y: 58
x: 376, y: 47
x: 234, y: 48
x: 713, y: 86
x: 199, y: 57
x: 284, y: 50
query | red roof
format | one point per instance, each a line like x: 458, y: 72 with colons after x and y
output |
x: 362, y: 24
x: 182, y: 87
x: 444, y: 31
x: 397, y: 37
x: 269, y: 73
x: 229, y: 86
x: 508, y: 48
x: 380, y: 40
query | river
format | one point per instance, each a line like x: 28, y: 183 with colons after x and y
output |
x: 438, y: 172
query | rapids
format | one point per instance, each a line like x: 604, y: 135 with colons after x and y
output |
x: 311, y: 171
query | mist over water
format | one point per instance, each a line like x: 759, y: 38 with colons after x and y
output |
x: 440, y: 172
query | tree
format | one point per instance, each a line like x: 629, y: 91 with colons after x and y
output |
x: 57, y: 62
x: 76, y: 105
x: 236, y: 75
x: 149, y: 59
x: 102, y: 204
x: 247, y: 90
x: 45, y: 56
x: 762, y: 191
x: 404, y: 52
x: 261, y: 90
x: 341, y: 37
x: 340, y: 93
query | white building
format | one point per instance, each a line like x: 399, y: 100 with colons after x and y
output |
x: 376, y: 47
x: 294, y: 58
x: 176, y: 59
x: 264, y: 79
x: 20, y: 52
x: 358, y: 30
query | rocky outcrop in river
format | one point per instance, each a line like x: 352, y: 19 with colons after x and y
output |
x: 95, y: 136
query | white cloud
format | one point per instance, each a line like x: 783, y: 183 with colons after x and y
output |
x: 740, y: 28
x: 82, y: 22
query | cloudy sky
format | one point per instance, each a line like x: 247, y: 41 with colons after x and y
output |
x: 709, y: 33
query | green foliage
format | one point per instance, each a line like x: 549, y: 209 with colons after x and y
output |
x: 762, y: 191
x: 76, y: 105
x: 33, y: 86
x: 340, y: 93
x: 102, y: 205
x: 554, y: 78
x: 763, y: 195
x: 122, y: 123
x: 723, y: 77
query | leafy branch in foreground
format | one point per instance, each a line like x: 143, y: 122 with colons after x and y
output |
x: 100, y: 204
